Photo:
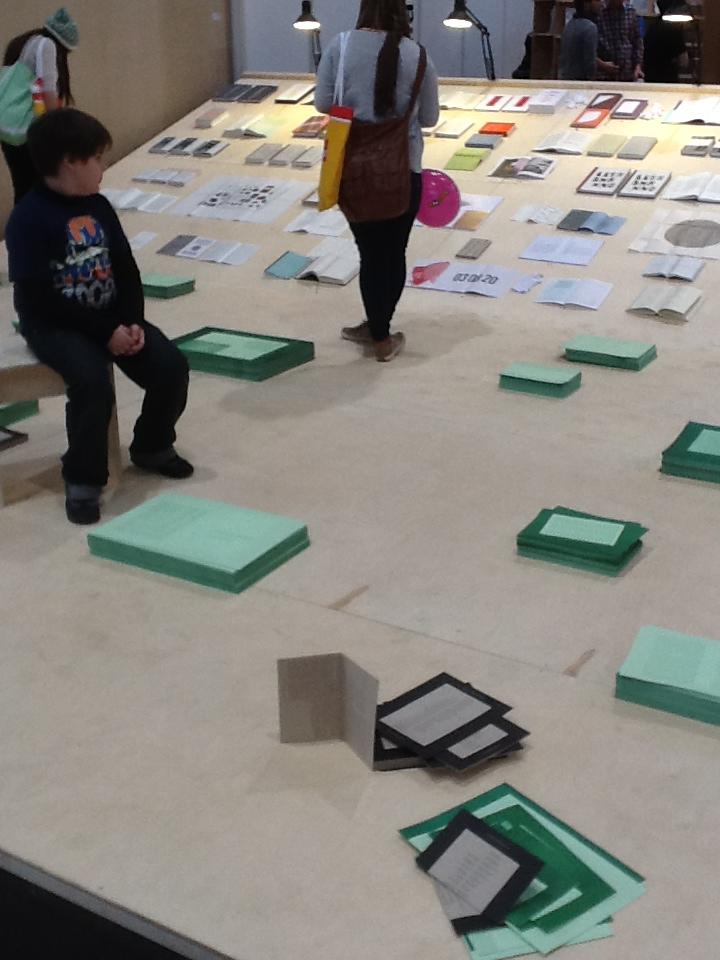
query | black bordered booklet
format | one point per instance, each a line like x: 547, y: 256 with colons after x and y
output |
x: 481, y: 870
x: 438, y: 713
x: 496, y: 738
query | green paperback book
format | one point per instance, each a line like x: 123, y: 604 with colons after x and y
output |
x: 583, y: 540
x: 674, y: 672
x: 570, y: 915
x: 164, y: 286
x: 211, y: 543
x: 625, y: 354
x: 13, y: 412
x: 540, y: 380
x: 467, y: 158
x: 502, y: 943
x: 695, y: 453
x: 245, y: 356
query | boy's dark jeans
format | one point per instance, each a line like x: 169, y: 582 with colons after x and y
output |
x: 159, y: 368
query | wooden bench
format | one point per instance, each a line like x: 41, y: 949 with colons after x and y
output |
x: 23, y: 377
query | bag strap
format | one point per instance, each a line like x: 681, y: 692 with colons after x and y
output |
x: 339, y: 94
x: 419, y: 77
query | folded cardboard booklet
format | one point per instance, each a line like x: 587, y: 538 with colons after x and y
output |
x: 328, y: 697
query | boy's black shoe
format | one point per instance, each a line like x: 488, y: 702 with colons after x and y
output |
x: 174, y: 466
x: 82, y: 511
x: 82, y: 503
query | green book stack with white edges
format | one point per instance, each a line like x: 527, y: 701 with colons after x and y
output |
x: 694, y: 454
x: 467, y: 158
x: 573, y: 898
x: 672, y: 672
x: 207, y: 542
x: 582, y: 540
x: 244, y: 356
x: 163, y: 286
x: 13, y: 412
x: 625, y: 354
x: 541, y: 380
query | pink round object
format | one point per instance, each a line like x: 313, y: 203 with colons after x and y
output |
x: 440, y: 199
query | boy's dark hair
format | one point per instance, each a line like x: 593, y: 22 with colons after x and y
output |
x: 66, y: 132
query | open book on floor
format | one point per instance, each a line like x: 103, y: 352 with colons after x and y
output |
x: 567, y: 141
x: 666, y: 301
x: 259, y: 126
x: 674, y: 268
x: 524, y: 168
x: 594, y: 222
x: 704, y: 187
x: 702, y: 110
x: 590, y: 294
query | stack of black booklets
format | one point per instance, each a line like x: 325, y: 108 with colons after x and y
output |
x: 245, y: 93
x: 444, y: 723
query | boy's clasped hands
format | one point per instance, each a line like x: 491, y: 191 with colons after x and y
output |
x: 127, y: 341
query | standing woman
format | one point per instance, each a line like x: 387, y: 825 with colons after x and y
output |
x: 381, y: 66
x: 45, y: 52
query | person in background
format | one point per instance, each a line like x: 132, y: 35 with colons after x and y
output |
x: 381, y: 64
x: 620, y: 41
x: 79, y: 298
x: 665, y: 51
x: 45, y: 52
x: 579, y: 49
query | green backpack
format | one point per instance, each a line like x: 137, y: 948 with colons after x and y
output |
x: 16, y: 112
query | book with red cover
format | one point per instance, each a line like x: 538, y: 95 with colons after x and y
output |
x: 501, y: 129
x: 605, y: 101
x: 313, y: 127
x: 590, y: 118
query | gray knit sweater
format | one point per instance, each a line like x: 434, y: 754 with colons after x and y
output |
x: 359, y: 73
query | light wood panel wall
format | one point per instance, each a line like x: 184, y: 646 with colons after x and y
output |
x: 141, y: 64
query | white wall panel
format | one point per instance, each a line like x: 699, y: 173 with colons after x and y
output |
x: 264, y: 39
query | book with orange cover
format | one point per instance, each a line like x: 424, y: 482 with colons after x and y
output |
x: 501, y: 129
x: 590, y: 118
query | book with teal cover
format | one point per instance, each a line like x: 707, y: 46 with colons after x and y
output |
x: 577, y: 539
x: 13, y: 412
x: 544, y: 381
x: 245, y: 356
x: 165, y: 286
x: 205, y: 541
x: 609, y: 352
x: 695, y: 453
x: 614, y: 884
x: 674, y: 672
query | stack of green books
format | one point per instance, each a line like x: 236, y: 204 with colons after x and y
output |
x: 211, y: 543
x: 573, y: 898
x: 245, y: 356
x: 164, y: 286
x: 626, y: 354
x: 467, y: 158
x: 540, y: 380
x: 582, y: 540
x: 695, y: 453
x: 673, y: 672
x: 13, y: 412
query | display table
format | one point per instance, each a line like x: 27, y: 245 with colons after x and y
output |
x: 142, y: 773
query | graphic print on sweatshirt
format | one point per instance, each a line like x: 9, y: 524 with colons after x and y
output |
x: 86, y: 275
